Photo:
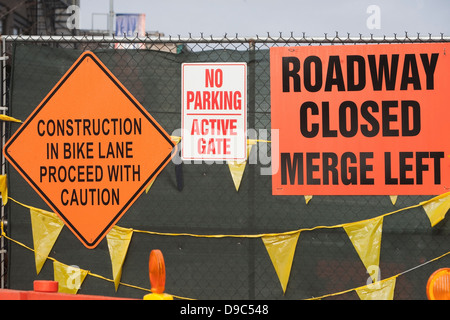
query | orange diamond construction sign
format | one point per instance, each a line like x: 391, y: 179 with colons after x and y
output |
x: 89, y: 149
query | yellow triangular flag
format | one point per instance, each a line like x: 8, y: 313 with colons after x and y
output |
x: 366, y: 238
x: 382, y: 290
x: 237, y: 171
x: 393, y: 199
x: 308, y: 199
x: 46, y: 227
x: 175, y: 139
x: 69, y: 278
x: 150, y: 185
x: 436, y: 208
x: 118, y: 241
x: 4, y: 188
x: 237, y: 168
x: 281, y: 249
x: 8, y: 118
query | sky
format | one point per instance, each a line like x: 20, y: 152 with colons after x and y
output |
x: 260, y: 17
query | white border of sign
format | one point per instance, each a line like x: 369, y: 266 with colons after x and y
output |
x: 214, y: 111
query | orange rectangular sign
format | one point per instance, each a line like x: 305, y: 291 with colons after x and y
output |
x: 361, y: 119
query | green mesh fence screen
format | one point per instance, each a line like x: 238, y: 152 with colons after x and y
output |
x: 200, y: 198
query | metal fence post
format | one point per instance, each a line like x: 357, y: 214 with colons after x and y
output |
x: 251, y: 108
x: 3, y: 251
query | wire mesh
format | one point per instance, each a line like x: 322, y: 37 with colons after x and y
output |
x: 210, y: 268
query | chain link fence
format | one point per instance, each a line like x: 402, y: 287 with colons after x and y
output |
x: 205, y: 202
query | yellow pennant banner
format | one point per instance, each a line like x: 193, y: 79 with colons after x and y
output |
x: 46, y: 227
x: 437, y: 208
x: 382, y: 290
x: 237, y: 168
x: 393, y: 199
x: 366, y: 238
x: 69, y: 278
x: 308, y: 199
x: 175, y: 139
x: 4, y: 188
x: 281, y: 249
x: 8, y: 118
x: 118, y: 241
x: 150, y: 185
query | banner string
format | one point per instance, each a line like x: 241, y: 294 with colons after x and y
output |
x: 397, y: 275
x: 3, y: 234
x: 263, y: 234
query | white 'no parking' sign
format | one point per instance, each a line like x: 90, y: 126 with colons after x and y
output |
x: 214, y: 111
